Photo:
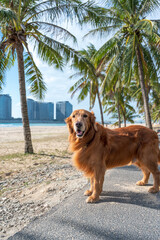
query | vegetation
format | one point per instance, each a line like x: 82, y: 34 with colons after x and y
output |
x: 32, y: 22
x: 133, y: 52
x: 125, y: 68
x: 90, y: 78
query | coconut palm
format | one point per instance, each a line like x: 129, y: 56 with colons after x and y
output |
x: 35, y: 22
x: 119, y: 106
x: 90, y: 80
x: 134, y: 45
x: 155, y: 104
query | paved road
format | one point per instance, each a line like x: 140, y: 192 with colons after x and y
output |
x: 125, y: 211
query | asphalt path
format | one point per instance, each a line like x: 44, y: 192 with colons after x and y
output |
x: 125, y: 211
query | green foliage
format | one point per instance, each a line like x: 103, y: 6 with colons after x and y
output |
x: 89, y: 74
x: 130, y: 31
x: 36, y: 21
x: 35, y: 79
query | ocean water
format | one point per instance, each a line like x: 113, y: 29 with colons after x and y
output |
x: 31, y: 124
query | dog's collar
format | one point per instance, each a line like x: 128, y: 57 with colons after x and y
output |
x: 90, y: 141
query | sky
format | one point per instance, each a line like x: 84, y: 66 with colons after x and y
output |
x: 58, y: 82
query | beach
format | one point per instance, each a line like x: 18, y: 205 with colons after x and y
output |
x: 31, y: 184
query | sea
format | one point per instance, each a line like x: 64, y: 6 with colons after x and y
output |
x: 32, y: 124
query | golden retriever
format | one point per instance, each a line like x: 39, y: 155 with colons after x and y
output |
x: 97, y: 149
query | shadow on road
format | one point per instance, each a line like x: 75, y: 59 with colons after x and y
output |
x: 23, y: 235
x: 147, y: 200
x: 94, y: 232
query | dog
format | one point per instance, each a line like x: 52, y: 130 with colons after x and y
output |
x: 97, y: 149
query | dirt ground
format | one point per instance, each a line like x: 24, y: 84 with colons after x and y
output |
x: 31, y: 184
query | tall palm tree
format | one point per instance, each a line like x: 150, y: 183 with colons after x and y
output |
x: 111, y: 104
x: 155, y: 104
x: 91, y: 76
x: 35, y: 22
x: 135, y: 43
x: 120, y: 108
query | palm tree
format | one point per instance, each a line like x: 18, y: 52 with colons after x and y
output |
x: 118, y: 105
x: 135, y: 44
x: 155, y: 103
x: 91, y: 76
x: 35, y: 22
x: 111, y: 106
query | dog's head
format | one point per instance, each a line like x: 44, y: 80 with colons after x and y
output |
x: 80, y: 121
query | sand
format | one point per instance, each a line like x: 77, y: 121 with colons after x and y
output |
x: 31, y: 184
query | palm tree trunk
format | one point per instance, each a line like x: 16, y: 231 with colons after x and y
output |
x: 100, y: 107
x: 143, y: 89
x: 22, y: 88
x: 124, y: 119
x: 119, y: 115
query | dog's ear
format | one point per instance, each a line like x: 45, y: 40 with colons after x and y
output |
x: 93, y: 121
x: 69, y: 124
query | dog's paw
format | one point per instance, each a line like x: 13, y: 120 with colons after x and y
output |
x: 92, y: 199
x: 153, y: 190
x: 141, y: 183
x: 87, y: 193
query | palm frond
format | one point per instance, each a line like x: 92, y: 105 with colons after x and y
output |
x: 84, y: 92
x: 35, y: 79
x: 53, y: 30
x: 6, y: 15
x: 65, y: 9
x: 78, y: 86
x: 102, y: 31
x: 7, y: 60
x: 147, y: 6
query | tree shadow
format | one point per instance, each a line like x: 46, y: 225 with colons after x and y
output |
x: 141, y: 199
x: 72, y: 229
x: 53, y: 155
x: 90, y: 231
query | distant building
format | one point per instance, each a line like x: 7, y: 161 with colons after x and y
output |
x: 63, y: 110
x: 40, y: 110
x: 50, y: 108
x: 5, y: 107
x: 31, y: 109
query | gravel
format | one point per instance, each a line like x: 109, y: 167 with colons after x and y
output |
x: 30, y: 194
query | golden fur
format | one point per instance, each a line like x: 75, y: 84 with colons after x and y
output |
x: 101, y: 148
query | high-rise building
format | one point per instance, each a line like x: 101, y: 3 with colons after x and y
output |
x: 31, y: 109
x: 5, y: 107
x: 63, y: 110
x: 50, y: 108
x: 40, y: 110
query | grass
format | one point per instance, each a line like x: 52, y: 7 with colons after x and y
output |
x: 34, y: 156
x: 11, y: 163
x: 48, y: 182
x: 8, y: 157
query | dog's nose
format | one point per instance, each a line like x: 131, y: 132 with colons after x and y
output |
x: 78, y: 124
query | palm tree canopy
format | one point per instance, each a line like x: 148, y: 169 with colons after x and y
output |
x: 39, y: 23
x: 90, y: 75
x: 132, y: 34
x: 129, y: 19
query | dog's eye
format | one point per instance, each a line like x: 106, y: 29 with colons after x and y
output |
x: 85, y: 116
x: 73, y: 116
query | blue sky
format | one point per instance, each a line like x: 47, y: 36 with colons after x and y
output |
x: 58, y: 82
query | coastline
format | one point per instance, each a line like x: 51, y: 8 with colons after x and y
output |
x: 40, y: 124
